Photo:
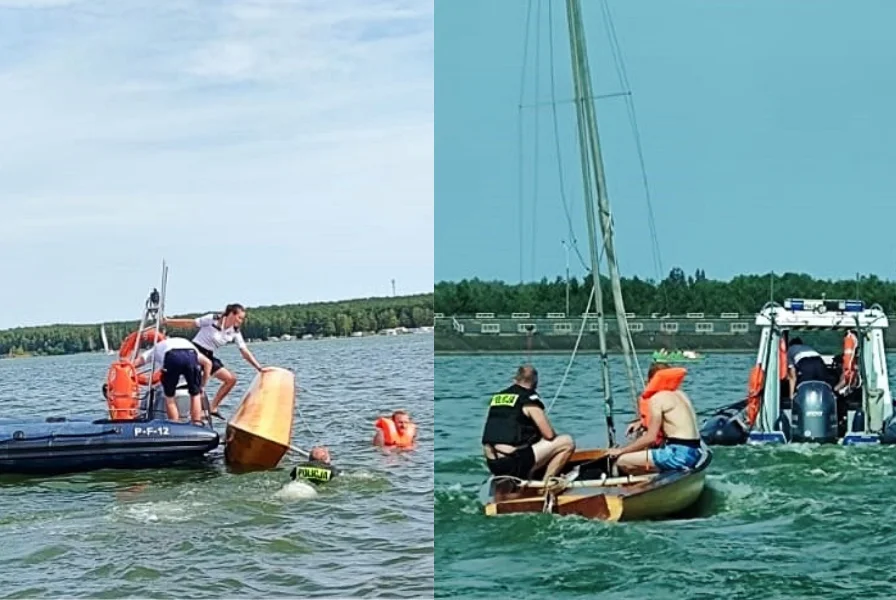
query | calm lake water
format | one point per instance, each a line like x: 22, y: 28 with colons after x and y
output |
x: 803, y: 521
x: 203, y: 532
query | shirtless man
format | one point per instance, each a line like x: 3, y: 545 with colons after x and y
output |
x: 669, y: 412
x: 518, y: 438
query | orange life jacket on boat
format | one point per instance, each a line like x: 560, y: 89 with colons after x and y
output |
x: 391, y: 437
x: 757, y: 383
x: 664, y: 380
x: 122, y: 395
x: 850, y: 344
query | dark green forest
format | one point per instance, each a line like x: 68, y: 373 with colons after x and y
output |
x: 318, y: 319
x: 677, y: 294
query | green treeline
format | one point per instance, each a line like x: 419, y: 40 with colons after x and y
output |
x: 677, y: 294
x: 318, y: 319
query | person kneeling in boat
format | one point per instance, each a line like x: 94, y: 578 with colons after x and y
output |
x: 317, y: 469
x: 517, y: 438
x: 175, y: 357
x: 669, y: 424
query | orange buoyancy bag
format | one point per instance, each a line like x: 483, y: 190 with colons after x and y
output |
x: 782, y: 360
x: 391, y: 437
x: 850, y: 343
x: 754, y: 392
x: 664, y: 380
x: 122, y: 395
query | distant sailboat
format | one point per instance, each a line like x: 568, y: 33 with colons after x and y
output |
x: 105, y: 339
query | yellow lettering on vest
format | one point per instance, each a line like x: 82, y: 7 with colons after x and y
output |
x: 314, y: 473
x: 504, y: 400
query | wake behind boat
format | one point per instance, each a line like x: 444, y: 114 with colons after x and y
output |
x: 135, y: 435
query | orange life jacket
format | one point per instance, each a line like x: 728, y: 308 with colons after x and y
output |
x: 391, y: 437
x: 122, y: 396
x: 756, y: 383
x: 850, y: 344
x: 665, y: 380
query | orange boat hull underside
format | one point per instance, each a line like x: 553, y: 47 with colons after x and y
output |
x: 259, y: 433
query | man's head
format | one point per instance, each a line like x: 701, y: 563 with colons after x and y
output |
x: 656, y: 368
x: 401, y: 419
x: 527, y: 377
x: 320, y: 453
x: 794, y: 341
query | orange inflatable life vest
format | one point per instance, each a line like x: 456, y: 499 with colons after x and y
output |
x: 664, y: 380
x: 122, y: 395
x: 782, y: 359
x: 149, y: 336
x: 850, y: 343
x: 391, y: 437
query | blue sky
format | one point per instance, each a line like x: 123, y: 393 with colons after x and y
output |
x: 767, y: 129
x: 273, y: 151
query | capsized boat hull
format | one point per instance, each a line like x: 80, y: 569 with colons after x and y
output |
x: 57, y: 445
x: 650, y: 496
x: 260, y: 431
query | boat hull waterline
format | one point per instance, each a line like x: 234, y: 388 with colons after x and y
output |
x: 639, y: 497
x: 65, y: 445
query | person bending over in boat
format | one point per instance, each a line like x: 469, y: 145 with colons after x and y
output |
x: 803, y: 364
x: 517, y: 438
x: 178, y: 357
x: 317, y: 469
x: 216, y: 330
x: 669, y: 423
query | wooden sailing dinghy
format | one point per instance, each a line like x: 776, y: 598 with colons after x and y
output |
x: 589, y: 487
x: 594, y: 494
x: 259, y: 433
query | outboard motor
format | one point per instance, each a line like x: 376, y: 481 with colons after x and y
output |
x: 723, y: 430
x: 814, y: 413
x: 889, y: 433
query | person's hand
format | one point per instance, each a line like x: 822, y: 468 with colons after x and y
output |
x: 632, y: 428
x: 614, y: 452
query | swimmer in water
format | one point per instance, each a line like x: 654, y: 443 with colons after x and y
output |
x: 317, y: 469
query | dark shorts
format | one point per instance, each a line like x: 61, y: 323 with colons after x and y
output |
x: 811, y: 369
x: 216, y: 363
x: 181, y: 362
x: 518, y: 464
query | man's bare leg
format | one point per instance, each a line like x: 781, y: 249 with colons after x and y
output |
x: 555, y: 453
x: 636, y: 462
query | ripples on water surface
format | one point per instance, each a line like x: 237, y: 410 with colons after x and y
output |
x: 204, y: 532
x: 788, y: 522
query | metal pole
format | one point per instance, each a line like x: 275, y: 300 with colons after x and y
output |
x: 566, y: 248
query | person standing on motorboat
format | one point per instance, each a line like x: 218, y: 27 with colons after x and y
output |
x: 803, y: 364
x: 178, y: 357
x: 216, y: 330
x: 517, y: 438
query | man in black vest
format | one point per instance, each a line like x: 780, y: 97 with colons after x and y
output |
x: 317, y: 469
x: 518, y: 438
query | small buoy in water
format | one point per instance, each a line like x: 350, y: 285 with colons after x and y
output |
x: 296, y: 490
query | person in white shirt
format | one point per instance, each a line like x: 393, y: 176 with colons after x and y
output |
x: 178, y: 357
x: 216, y: 330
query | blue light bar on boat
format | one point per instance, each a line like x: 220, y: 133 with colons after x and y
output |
x: 853, y: 306
x: 794, y: 304
x: 797, y: 304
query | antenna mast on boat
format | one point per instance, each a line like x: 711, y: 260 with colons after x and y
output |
x: 594, y: 180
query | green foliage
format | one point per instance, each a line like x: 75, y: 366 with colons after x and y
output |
x: 318, y: 319
x: 677, y: 294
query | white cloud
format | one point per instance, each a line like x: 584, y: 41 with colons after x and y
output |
x: 308, y: 121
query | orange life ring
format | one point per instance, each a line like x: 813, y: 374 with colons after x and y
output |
x: 127, y: 346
